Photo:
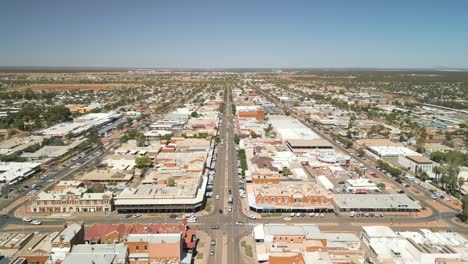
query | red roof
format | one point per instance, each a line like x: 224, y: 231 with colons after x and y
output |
x: 157, y: 228
x: 99, y: 230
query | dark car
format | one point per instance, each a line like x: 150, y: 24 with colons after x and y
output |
x: 215, y: 227
x: 220, y: 211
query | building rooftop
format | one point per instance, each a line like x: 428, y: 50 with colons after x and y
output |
x: 374, y: 201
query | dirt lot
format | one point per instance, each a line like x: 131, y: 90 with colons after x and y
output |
x: 54, y: 87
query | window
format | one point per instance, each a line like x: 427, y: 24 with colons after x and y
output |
x: 137, y: 248
x: 298, y: 200
x: 286, y: 200
x: 279, y: 200
x: 308, y: 200
x: 146, y: 247
x: 266, y: 200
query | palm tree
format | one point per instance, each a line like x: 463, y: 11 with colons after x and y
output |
x: 437, y: 170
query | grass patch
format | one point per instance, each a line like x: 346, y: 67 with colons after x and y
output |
x: 248, y: 251
x: 247, y: 248
x: 208, y: 206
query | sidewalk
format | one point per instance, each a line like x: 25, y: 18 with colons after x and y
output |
x: 203, y: 248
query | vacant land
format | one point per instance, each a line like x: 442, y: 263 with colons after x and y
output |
x: 54, y: 87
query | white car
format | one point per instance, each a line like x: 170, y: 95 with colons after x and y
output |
x: 287, y: 218
x: 35, y: 222
x: 192, y: 220
x: 292, y: 214
x: 239, y: 223
x: 311, y: 214
x: 217, y: 197
x: 252, y: 217
x: 136, y: 215
x: 322, y: 215
x: 27, y: 219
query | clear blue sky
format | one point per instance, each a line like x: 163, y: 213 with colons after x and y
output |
x: 196, y: 33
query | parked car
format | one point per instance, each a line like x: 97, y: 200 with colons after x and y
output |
x: 27, y: 219
x: 35, y: 222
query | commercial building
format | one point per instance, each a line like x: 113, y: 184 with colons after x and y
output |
x: 161, y: 198
x: 13, y: 172
x: 116, y: 233
x: 417, y: 164
x: 375, y: 202
x: 305, y: 145
x: 250, y: 111
x: 290, y: 128
x: 157, y: 248
x: 304, y: 243
x: 17, y: 144
x: 71, y: 235
x: 392, y: 151
x: 424, y: 246
x: 289, y: 196
x: 82, y: 124
x: 71, y: 200
x: 102, y: 254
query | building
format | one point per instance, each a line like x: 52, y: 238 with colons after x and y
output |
x: 84, y: 123
x: 417, y: 164
x: 115, y: 233
x: 304, y: 243
x: 303, y: 145
x: 71, y: 200
x: 289, y: 128
x: 102, y: 254
x: 40, y: 252
x: 250, y: 111
x: 424, y: 246
x: 155, y: 248
x: 71, y: 235
x: 161, y: 198
x: 14, y: 172
x: 375, y: 202
x: 289, y: 196
x: 392, y: 151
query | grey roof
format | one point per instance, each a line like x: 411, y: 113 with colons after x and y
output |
x: 374, y: 201
x: 99, y: 253
x: 68, y: 233
x: 155, y: 238
x: 308, y: 230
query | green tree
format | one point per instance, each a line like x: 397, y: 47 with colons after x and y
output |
x: 465, y: 207
x: 194, y: 114
x: 360, y: 152
x: 170, y: 182
x: 286, y: 171
x: 236, y: 139
x: 143, y: 162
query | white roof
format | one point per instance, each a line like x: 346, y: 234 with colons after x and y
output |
x: 393, y: 151
x: 291, y: 128
x: 379, y: 231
